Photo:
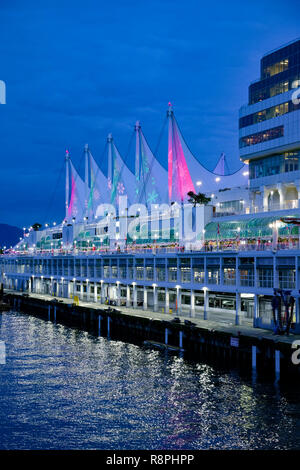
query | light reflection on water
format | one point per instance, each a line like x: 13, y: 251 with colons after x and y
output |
x: 62, y: 388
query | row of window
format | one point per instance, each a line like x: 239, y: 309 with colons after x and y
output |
x: 278, y: 72
x: 260, y: 137
x: 268, y: 113
x: 264, y: 92
x: 282, y: 163
x: 273, y: 69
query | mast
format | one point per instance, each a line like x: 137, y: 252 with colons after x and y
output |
x: 86, y: 175
x: 67, y: 158
x: 170, y: 150
x: 109, y: 171
x: 137, y: 150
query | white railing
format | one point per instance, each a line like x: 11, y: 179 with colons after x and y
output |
x: 288, y: 205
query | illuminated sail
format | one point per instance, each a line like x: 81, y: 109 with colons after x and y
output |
x: 121, y: 181
x: 76, y: 206
x: 187, y: 174
x: 98, y: 193
x: 151, y: 177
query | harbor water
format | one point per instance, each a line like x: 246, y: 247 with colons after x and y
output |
x: 63, y: 388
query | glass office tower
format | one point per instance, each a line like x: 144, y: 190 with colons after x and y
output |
x: 269, y: 131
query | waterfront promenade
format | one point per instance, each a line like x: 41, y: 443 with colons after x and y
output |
x: 225, y: 325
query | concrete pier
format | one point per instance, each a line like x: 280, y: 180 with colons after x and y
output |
x: 252, y: 348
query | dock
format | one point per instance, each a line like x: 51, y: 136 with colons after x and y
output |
x: 231, y: 345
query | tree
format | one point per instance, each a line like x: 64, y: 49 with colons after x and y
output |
x: 199, y: 198
x: 36, y: 226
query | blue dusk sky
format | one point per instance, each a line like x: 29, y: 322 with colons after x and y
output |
x: 75, y: 71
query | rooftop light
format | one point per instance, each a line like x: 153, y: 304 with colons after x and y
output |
x: 218, y: 179
x: 199, y: 183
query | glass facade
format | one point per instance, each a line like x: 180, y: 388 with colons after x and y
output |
x: 260, y: 137
x: 270, y: 70
x: 268, y: 113
x: 278, y: 72
x: 230, y: 207
x: 287, y: 278
x: 268, y: 166
x: 265, y: 277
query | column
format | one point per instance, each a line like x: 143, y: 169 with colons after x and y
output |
x: 155, y: 306
x: 102, y: 293
x: 167, y: 300
x: 221, y: 271
x: 128, y: 302
x: 255, y: 273
x: 134, y: 296
x: 69, y: 289
x: 275, y: 274
x: 145, y: 304
x: 118, y: 292
x: 237, y: 273
x: 237, y: 308
x: 178, y: 299
x: 205, y: 270
x: 205, y: 292
x: 297, y: 312
x: 256, y: 311
x: 88, y: 291
x: 81, y: 290
x: 95, y: 292
x: 281, y: 191
x: 192, y: 308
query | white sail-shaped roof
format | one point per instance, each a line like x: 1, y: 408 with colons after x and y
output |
x: 98, y: 193
x: 151, y: 177
x: 76, y: 207
x: 121, y: 180
x: 189, y: 175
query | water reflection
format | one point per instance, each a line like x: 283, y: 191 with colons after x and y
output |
x: 63, y: 388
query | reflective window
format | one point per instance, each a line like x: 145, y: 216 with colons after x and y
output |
x: 271, y: 70
x: 268, y: 113
x: 282, y: 163
x: 261, y: 137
